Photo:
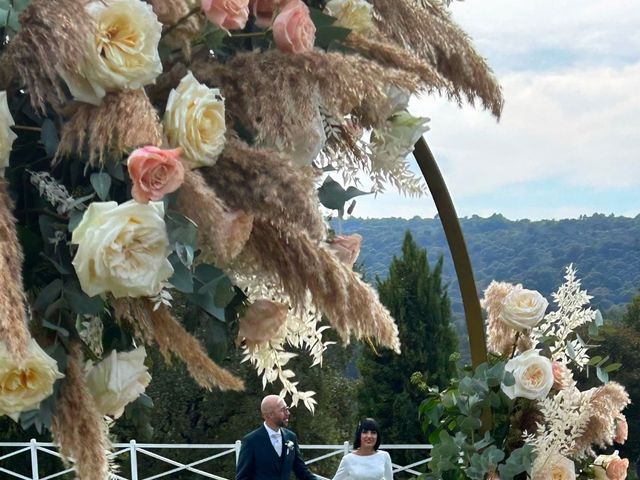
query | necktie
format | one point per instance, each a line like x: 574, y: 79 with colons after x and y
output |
x: 275, y: 439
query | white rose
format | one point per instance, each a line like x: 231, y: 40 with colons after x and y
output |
x: 533, y: 374
x: 6, y: 134
x: 194, y: 120
x: 118, y: 380
x: 123, y: 53
x: 122, y: 249
x: 356, y: 15
x: 26, y: 382
x: 396, y: 141
x: 523, y: 309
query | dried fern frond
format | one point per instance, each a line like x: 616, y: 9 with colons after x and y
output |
x: 290, y: 86
x: 300, y: 265
x: 428, y: 31
x: 77, y: 425
x: 170, y: 12
x: 605, y: 405
x: 160, y: 327
x: 52, y: 38
x: 124, y: 120
x: 265, y: 183
x: 13, y: 326
x: 222, y: 233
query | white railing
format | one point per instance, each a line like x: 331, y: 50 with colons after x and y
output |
x: 36, y: 450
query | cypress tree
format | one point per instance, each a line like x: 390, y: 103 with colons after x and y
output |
x: 419, y: 303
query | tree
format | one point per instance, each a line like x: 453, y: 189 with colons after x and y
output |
x: 417, y: 300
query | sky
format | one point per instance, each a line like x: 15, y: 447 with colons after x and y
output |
x: 567, y: 143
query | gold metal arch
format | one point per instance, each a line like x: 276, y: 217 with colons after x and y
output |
x: 458, y: 248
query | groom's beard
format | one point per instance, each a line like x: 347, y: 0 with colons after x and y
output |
x: 282, y: 423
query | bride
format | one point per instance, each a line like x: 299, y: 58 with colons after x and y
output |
x: 366, y: 462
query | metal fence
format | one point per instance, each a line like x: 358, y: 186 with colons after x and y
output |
x: 128, y: 456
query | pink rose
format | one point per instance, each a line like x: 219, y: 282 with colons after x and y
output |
x: 559, y: 371
x: 347, y: 248
x: 227, y: 14
x: 262, y: 321
x: 263, y: 11
x: 617, y: 469
x: 293, y: 30
x: 154, y: 173
x: 622, y: 430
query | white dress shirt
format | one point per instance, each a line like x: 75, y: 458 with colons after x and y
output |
x: 276, y: 439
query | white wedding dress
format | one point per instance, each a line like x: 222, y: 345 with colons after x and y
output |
x: 369, y: 467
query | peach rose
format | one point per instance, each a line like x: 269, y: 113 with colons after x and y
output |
x: 293, y: 29
x: 227, y: 14
x: 262, y: 321
x: 347, y: 248
x: 263, y: 11
x: 622, y: 430
x: 617, y: 469
x: 154, y: 172
x: 559, y: 372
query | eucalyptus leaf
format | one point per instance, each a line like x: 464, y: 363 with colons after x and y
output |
x: 48, y: 295
x: 602, y: 375
x: 80, y: 302
x: 182, y: 278
x: 181, y: 229
x: 52, y: 326
x: 49, y: 137
x: 101, y: 183
x: 206, y: 303
x: 185, y: 253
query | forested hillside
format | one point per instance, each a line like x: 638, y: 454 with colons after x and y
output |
x: 605, y: 249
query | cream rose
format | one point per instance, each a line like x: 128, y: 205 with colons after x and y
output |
x: 356, y: 15
x: 397, y: 139
x: 562, y: 468
x: 227, y: 14
x: 523, y: 309
x: 293, y: 29
x: 194, y: 120
x: 122, y: 249
x: 6, y: 134
x: 118, y: 380
x: 26, y: 382
x: 533, y: 375
x: 610, y: 467
x: 123, y: 53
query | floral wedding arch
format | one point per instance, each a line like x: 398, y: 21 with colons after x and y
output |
x: 162, y: 165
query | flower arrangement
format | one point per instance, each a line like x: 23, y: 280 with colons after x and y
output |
x: 162, y: 156
x: 541, y: 425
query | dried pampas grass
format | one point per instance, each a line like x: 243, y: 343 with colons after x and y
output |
x: 124, y: 120
x: 265, y: 183
x: 174, y: 14
x: 222, y: 233
x: 427, y: 30
x: 289, y: 87
x: 500, y: 336
x: 160, y: 327
x: 77, y: 425
x: 13, y: 326
x: 53, y: 36
x: 300, y: 265
x: 605, y: 405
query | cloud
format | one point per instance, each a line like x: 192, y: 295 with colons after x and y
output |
x: 579, y: 125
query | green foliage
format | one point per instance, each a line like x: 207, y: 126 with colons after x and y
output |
x: 414, y: 295
x: 464, y: 446
x: 533, y: 253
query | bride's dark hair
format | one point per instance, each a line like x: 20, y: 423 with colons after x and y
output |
x: 367, y: 425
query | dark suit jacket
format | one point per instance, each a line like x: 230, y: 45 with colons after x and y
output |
x: 258, y: 459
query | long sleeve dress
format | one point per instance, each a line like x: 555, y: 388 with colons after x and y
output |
x: 369, y: 467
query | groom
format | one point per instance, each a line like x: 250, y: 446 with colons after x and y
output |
x: 271, y: 452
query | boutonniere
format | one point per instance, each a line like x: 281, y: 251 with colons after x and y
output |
x: 289, y: 445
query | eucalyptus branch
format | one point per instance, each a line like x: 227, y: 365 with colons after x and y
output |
x: 515, y: 344
x: 181, y: 20
x: 25, y: 127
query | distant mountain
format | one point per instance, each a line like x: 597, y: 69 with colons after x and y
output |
x: 604, y: 249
